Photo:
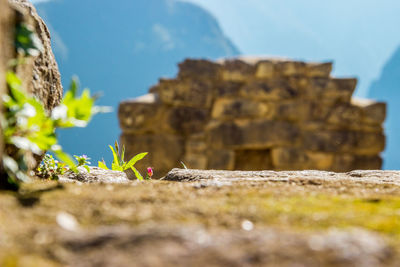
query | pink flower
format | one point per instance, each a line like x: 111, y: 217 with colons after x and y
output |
x: 150, y: 171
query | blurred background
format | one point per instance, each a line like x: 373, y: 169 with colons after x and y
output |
x: 123, y: 47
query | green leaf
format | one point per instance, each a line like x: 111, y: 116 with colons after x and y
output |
x: 137, y: 174
x: 184, y: 166
x: 67, y: 159
x: 116, y: 167
x: 25, y: 144
x: 87, y: 168
x: 135, y: 159
x: 27, y: 41
x: 115, y: 156
x: 13, y: 81
x: 123, y: 155
x: 73, y: 87
x: 102, y: 165
x: 120, y: 160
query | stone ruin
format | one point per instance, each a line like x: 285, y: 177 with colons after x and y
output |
x: 254, y: 114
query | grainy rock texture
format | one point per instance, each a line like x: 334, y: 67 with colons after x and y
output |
x: 6, y: 48
x: 254, y: 114
x: 96, y: 175
x: 312, y: 177
x: 40, y: 74
x: 204, y: 218
x: 196, y: 247
x: 7, y: 20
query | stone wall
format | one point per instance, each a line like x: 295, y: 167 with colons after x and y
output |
x: 254, y: 114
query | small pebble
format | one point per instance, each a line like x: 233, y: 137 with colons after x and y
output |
x: 247, y: 225
x: 67, y: 221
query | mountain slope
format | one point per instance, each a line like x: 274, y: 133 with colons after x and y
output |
x: 121, y: 48
x: 387, y: 88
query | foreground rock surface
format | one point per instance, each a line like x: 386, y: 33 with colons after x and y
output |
x: 205, y: 218
x: 358, y: 176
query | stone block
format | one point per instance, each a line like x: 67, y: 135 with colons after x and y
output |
x: 252, y: 134
x: 318, y: 69
x: 195, y: 161
x: 237, y: 70
x: 191, y: 93
x: 345, y: 114
x: 227, y: 89
x: 221, y: 159
x: 319, y: 110
x: 253, y: 160
x: 373, y: 112
x: 358, y: 115
x: 265, y: 69
x: 350, y: 162
x: 271, y: 90
x: 185, y: 120
x: 365, y: 143
x: 199, y: 69
x: 333, y: 89
x: 288, y: 158
x: 323, y: 126
x: 290, y: 68
x: 165, y: 151
x: 141, y: 115
x: 232, y: 108
x: 273, y: 68
x: 196, y: 144
x: 292, y: 110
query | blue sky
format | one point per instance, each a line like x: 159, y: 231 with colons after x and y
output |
x: 359, y: 35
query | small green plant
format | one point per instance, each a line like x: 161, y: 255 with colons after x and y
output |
x: 119, y: 163
x: 27, y: 126
x: 83, y: 161
x: 184, y: 166
x: 51, y: 168
x: 27, y: 42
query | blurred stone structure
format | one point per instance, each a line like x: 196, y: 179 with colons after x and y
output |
x: 254, y: 114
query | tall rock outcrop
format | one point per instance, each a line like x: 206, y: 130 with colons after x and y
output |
x: 254, y: 114
x: 6, y: 49
x: 38, y: 71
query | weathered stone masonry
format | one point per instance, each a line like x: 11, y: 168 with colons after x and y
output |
x: 254, y: 114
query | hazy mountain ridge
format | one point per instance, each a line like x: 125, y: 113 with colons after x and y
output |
x: 121, y: 48
x: 387, y: 88
x: 358, y: 35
